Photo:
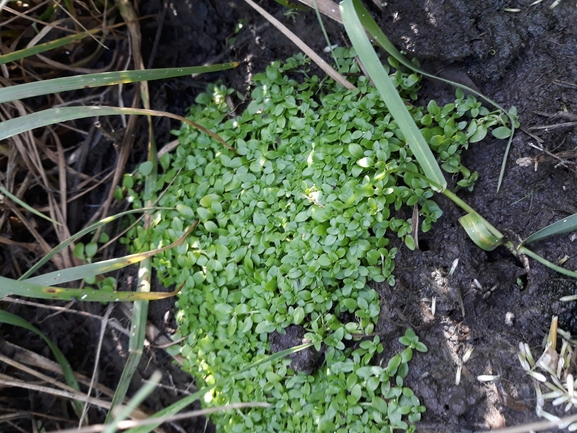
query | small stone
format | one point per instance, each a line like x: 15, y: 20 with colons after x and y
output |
x: 306, y: 360
x: 509, y: 319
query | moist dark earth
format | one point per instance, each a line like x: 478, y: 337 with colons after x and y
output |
x: 513, y: 52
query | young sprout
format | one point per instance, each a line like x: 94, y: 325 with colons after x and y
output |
x: 465, y: 358
x: 454, y: 266
x: 537, y: 376
x: 467, y: 354
x: 488, y: 377
x: 570, y: 386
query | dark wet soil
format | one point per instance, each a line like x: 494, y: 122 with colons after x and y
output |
x: 526, y: 58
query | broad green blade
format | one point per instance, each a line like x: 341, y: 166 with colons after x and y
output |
x: 12, y: 319
x: 373, y: 29
x: 181, y: 404
x: 565, y: 225
x: 92, y: 269
x: 41, y: 48
x: 475, y: 227
x: 390, y: 95
x: 25, y: 206
x: 101, y: 79
x: 10, y: 287
x: 77, y: 236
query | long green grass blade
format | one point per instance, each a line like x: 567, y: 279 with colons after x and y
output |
x: 25, y: 206
x: 54, y: 115
x: 101, y: 79
x: 373, y: 29
x: 10, y: 287
x: 137, y: 335
x: 93, y: 269
x: 550, y: 265
x: 78, y: 235
x: 566, y: 225
x: 134, y: 402
x: 12, y: 319
x: 41, y: 48
x: 140, y: 308
x: 388, y: 92
x: 181, y: 404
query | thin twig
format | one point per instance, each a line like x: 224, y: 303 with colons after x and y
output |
x: 57, y: 392
x: 96, y: 359
x: 304, y: 47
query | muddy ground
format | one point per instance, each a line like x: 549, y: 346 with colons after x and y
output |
x: 514, y: 53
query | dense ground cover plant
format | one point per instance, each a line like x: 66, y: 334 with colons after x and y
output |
x: 294, y: 223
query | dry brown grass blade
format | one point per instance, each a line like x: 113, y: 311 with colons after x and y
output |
x: 15, y: 414
x: 35, y: 373
x: 41, y: 158
x: 30, y: 227
x: 34, y: 248
x: 35, y: 361
x: 113, y: 323
x: 103, y: 325
x: 76, y: 67
x: 11, y: 382
x: 329, y: 70
x: 27, y: 148
x: 131, y: 21
x: 326, y: 7
x: 27, y: 16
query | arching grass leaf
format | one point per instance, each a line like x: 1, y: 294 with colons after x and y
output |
x: 92, y: 269
x: 12, y: 319
x: 25, y: 206
x: 101, y: 79
x: 24, y: 288
x: 566, y: 225
x: 77, y: 236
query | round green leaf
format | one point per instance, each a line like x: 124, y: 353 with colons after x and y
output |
x: 146, y: 168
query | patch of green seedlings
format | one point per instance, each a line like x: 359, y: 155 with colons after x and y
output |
x: 293, y: 227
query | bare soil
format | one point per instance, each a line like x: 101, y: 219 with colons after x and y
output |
x: 490, y: 303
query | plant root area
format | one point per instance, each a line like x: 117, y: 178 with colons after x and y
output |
x: 473, y: 318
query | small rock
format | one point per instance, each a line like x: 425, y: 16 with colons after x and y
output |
x: 306, y: 360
